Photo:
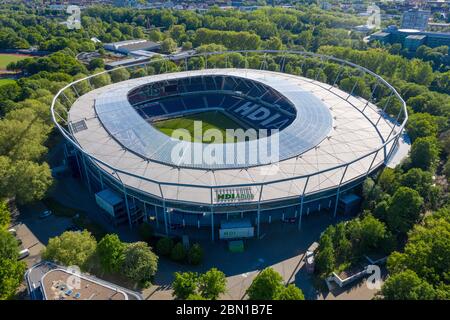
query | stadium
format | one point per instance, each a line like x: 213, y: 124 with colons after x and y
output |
x: 327, y: 139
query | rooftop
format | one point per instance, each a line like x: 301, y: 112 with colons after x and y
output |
x: 132, y: 45
x: 416, y: 37
x: 350, y: 137
x: 109, y: 196
x: 48, y: 281
x: 55, y: 286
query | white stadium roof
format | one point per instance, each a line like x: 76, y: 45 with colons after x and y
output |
x: 346, y: 136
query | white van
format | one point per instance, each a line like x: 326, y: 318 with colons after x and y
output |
x: 23, y: 254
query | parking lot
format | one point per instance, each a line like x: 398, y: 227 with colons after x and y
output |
x: 40, y: 229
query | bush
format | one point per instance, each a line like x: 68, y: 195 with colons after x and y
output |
x: 195, y: 254
x: 164, y: 246
x: 178, y: 252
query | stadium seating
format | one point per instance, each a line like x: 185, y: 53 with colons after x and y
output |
x: 263, y: 107
x: 151, y: 109
x: 173, y: 105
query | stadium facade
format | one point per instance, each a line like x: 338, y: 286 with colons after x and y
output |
x: 329, y: 141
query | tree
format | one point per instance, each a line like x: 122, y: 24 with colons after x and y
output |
x: 195, y: 254
x: 357, y: 84
x: 5, y: 215
x: 404, y: 209
x: 11, y: 276
x: 427, y: 251
x: 427, y: 102
x: 81, y: 87
x: 395, y: 48
x: 212, y: 284
x: 421, y: 125
x: 164, y: 246
x: 366, y: 234
x: 267, y: 285
x: 177, y: 32
x: 446, y: 170
x: 325, y: 260
x: 121, y: 74
x: 100, y: 80
x: 168, y: 45
x: 187, y: 45
x: 138, y: 73
x: 389, y: 180
x: 232, y: 40
x: 274, y: 43
x: 419, y: 180
x: 184, y: 285
x: 140, y: 263
x: 96, y: 63
x: 291, y: 292
x: 57, y: 62
x: 155, y: 35
x: 110, y: 251
x: 372, y: 193
x: 26, y: 180
x: 424, y: 153
x: 10, y: 91
x: 22, y: 139
x: 305, y: 39
x: 407, y: 285
x: 9, y: 246
x: 423, y: 72
x: 381, y: 210
x: 11, y: 270
x: 195, y: 297
x: 178, y: 252
x: 213, y: 47
x: 71, y: 248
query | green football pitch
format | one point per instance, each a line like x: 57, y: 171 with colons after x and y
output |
x: 210, y: 120
x: 5, y: 59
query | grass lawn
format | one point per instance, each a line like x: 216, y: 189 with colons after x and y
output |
x: 5, y: 59
x: 210, y: 120
x: 6, y: 81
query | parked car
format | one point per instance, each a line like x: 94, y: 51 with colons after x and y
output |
x: 45, y: 214
x: 309, y: 257
x: 12, y: 231
x: 23, y: 254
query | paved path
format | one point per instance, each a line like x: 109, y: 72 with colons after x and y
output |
x: 282, y: 248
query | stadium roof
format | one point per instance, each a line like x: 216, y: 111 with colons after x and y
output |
x: 321, y: 160
x: 311, y: 125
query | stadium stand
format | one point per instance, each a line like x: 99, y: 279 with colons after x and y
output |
x: 256, y: 104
